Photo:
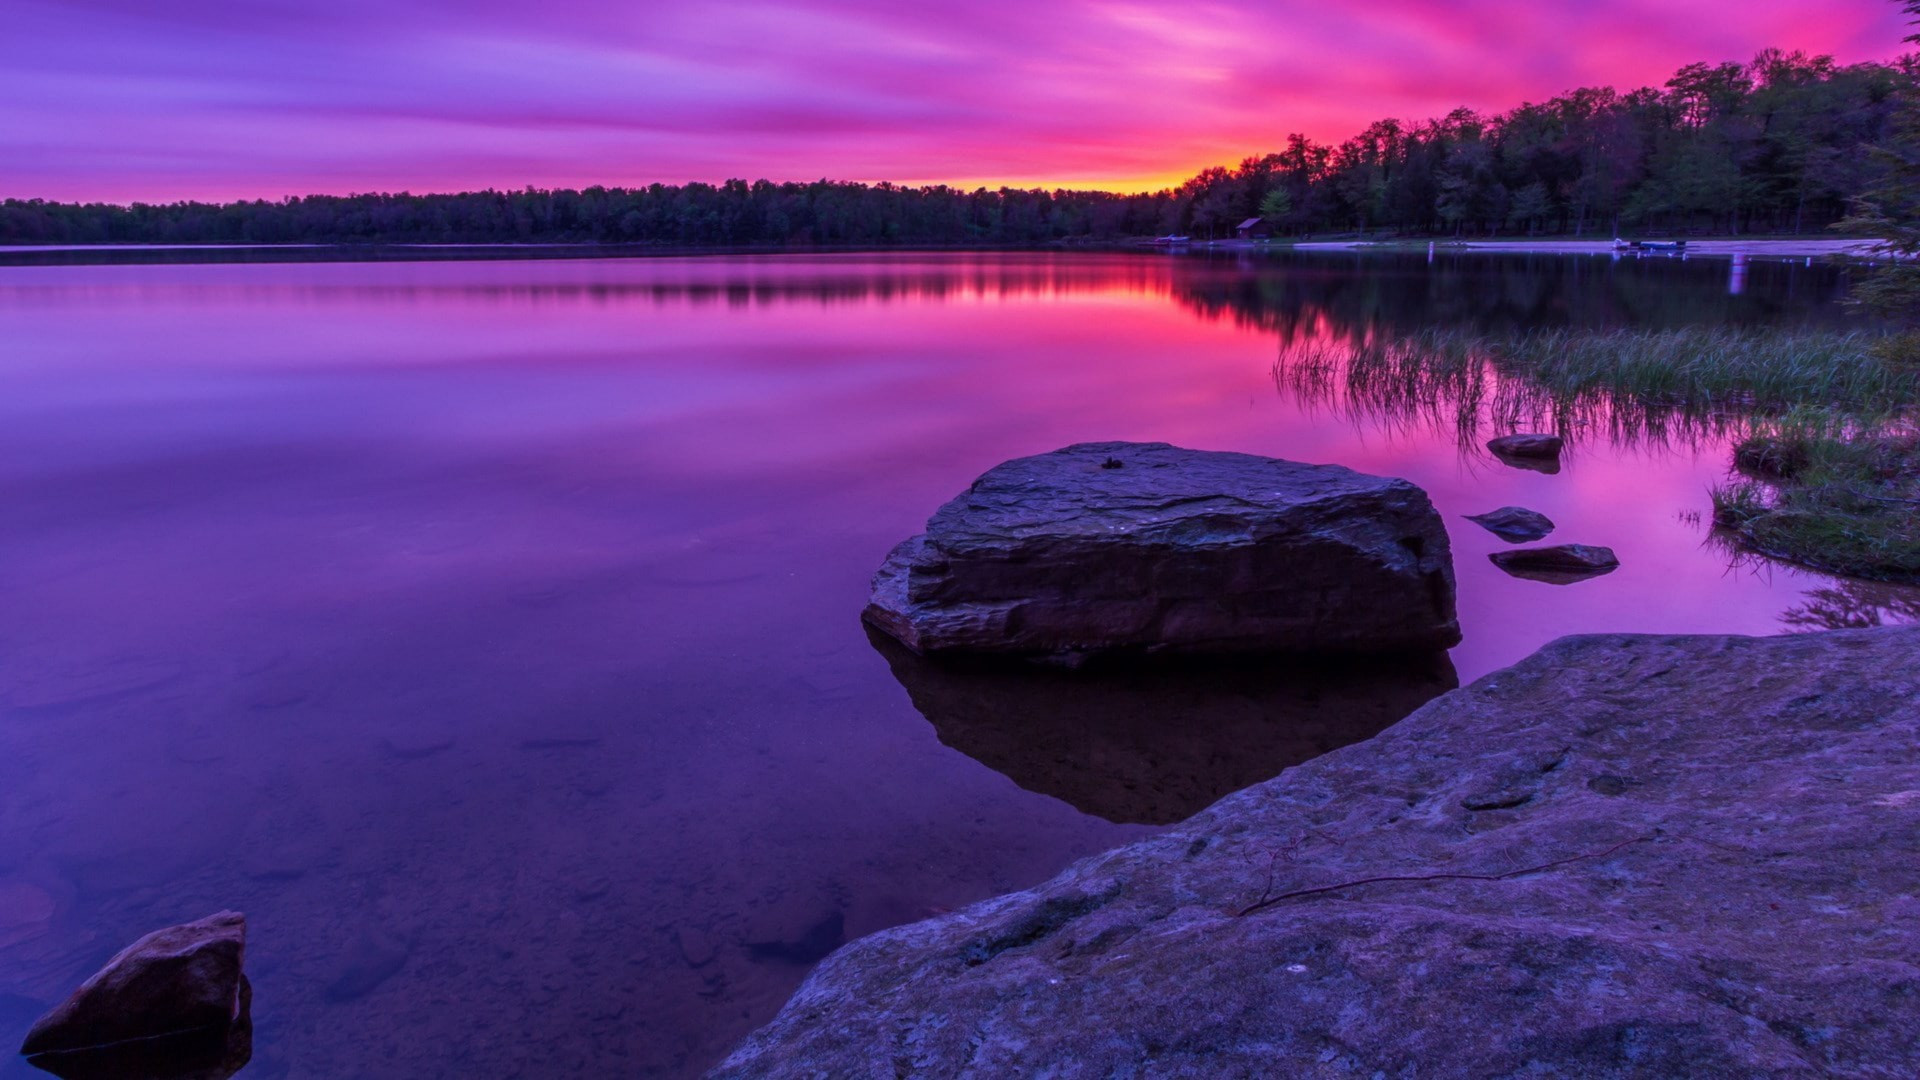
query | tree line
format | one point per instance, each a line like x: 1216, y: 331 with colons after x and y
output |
x: 1780, y: 144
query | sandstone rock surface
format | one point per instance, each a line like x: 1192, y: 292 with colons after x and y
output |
x: 1626, y: 856
x: 1145, y: 547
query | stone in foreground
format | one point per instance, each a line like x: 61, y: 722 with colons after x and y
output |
x: 1626, y: 856
x: 1145, y: 547
x: 1561, y: 564
x: 173, y: 1003
x: 1514, y: 524
x: 1530, y: 446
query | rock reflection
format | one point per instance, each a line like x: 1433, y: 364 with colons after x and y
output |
x: 1155, y: 744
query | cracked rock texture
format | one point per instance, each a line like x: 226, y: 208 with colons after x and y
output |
x: 1127, y: 547
x: 1627, y: 856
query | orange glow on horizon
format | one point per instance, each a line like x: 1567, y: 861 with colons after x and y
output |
x: 219, y: 100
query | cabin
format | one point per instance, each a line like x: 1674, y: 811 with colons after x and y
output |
x: 1254, y: 229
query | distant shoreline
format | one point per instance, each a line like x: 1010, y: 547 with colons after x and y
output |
x: 1724, y: 246
x: 79, y: 254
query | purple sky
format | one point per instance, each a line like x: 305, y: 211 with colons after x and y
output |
x: 163, y: 99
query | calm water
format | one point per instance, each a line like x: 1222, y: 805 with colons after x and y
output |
x: 487, y: 630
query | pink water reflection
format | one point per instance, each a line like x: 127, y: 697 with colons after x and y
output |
x: 503, y: 614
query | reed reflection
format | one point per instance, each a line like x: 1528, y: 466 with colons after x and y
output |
x: 1684, y: 387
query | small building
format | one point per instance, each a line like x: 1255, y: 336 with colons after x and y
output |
x: 1254, y: 229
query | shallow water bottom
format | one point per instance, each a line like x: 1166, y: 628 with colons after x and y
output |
x: 488, y: 632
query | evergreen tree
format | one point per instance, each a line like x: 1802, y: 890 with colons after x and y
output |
x: 1890, y: 210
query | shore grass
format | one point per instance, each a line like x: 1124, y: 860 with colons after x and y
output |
x: 1628, y: 383
x: 1821, y: 490
x: 1716, y: 368
x: 1826, y: 450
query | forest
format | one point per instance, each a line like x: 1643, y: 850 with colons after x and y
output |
x: 1778, y: 145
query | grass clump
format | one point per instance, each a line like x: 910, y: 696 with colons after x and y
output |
x: 1827, y: 458
x: 1824, y: 492
x: 1630, y: 382
x: 1715, y: 368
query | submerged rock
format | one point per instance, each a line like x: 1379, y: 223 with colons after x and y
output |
x: 1529, y: 446
x: 1625, y: 856
x: 374, y: 956
x: 1515, y: 524
x: 1145, y: 547
x: 696, y: 948
x: 816, y: 941
x: 1155, y: 744
x: 174, y: 1003
x: 1562, y: 564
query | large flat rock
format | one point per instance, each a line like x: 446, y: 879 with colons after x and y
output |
x: 1626, y: 856
x: 1118, y: 547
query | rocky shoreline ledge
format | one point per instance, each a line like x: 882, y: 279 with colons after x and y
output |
x: 1624, y: 856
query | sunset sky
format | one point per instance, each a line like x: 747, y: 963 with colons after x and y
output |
x: 219, y: 99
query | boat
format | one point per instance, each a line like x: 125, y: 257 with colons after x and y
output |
x: 1170, y: 241
x: 1649, y: 245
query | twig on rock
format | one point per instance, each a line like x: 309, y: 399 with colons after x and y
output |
x: 1288, y: 852
x: 1268, y: 901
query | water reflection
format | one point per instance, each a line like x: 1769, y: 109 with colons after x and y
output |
x: 1298, y: 296
x: 1156, y: 744
x: 1854, y: 605
x: 1308, y: 295
x: 1624, y: 388
x: 484, y: 628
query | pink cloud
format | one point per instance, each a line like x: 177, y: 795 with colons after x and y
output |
x: 124, y: 99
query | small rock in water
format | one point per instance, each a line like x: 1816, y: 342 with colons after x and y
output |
x: 174, y: 1003
x: 1527, y: 445
x: 695, y: 947
x: 277, y: 864
x: 371, y: 960
x: 416, y: 744
x: 1514, y: 523
x: 1563, y: 564
x: 810, y: 947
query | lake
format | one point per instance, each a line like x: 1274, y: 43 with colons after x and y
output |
x: 488, y: 630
